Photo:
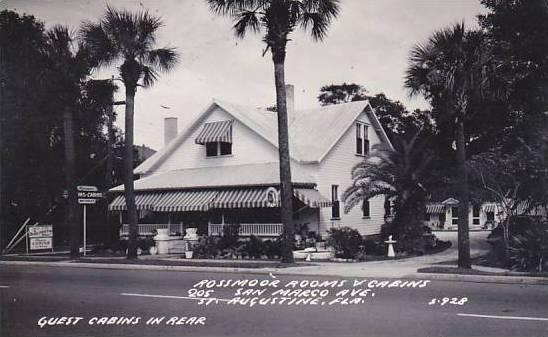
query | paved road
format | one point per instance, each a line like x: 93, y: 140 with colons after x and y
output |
x: 30, y: 293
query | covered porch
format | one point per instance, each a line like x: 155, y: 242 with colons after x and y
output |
x: 256, y: 210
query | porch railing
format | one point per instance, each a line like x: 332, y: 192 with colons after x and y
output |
x: 150, y: 229
x: 248, y: 229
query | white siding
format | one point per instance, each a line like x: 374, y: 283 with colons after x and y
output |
x: 335, y: 169
x: 247, y: 148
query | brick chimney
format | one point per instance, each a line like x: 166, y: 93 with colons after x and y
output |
x: 170, y: 129
x: 290, y: 99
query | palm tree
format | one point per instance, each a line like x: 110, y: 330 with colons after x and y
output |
x: 68, y: 67
x: 278, y: 19
x: 129, y: 38
x: 397, y: 174
x: 451, y: 70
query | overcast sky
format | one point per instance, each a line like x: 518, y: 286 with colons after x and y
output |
x: 368, y: 44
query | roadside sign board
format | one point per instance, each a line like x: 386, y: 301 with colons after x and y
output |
x: 84, y: 188
x: 43, y: 231
x: 84, y: 201
x: 89, y: 195
x: 41, y: 243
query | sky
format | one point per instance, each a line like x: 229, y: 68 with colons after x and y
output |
x: 368, y: 44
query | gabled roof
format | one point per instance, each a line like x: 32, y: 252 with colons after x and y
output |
x: 312, y: 134
x: 266, y: 174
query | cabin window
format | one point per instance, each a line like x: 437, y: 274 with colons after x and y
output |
x: 362, y: 141
x: 387, y: 207
x: 490, y: 216
x: 365, y: 209
x: 454, y: 215
x: 476, y: 215
x: 335, y: 208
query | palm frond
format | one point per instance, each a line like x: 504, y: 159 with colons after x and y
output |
x: 101, y: 49
x: 149, y: 76
x: 163, y: 59
x: 234, y: 7
x: 246, y: 21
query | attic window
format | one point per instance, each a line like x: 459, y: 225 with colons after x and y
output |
x: 362, y: 141
x: 217, y: 137
x: 215, y: 132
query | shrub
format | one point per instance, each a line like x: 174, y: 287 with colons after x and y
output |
x: 374, y: 246
x: 272, y: 249
x: 529, y: 251
x: 254, y: 247
x: 231, y: 235
x: 346, y: 241
x: 206, y: 248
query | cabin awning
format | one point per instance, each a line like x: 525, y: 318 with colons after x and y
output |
x: 215, y: 132
x: 489, y: 208
x: 435, y: 208
x: 205, y: 199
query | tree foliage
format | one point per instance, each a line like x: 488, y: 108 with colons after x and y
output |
x: 398, y: 174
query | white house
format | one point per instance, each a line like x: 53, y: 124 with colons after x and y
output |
x: 223, y: 169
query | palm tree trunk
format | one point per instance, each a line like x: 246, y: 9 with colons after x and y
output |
x: 286, y: 188
x: 463, y: 235
x: 109, y: 167
x: 128, y: 175
x: 2, y: 214
x: 70, y: 177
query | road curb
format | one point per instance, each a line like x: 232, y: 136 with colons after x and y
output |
x: 527, y: 280
x: 530, y: 280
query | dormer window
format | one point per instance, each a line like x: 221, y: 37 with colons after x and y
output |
x: 217, y: 138
x: 362, y: 141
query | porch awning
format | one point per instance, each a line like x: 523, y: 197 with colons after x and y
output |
x: 202, y: 200
x: 435, y: 208
x: 311, y: 197
x: 489, y: 208
x: 167, y: 201
x: 242, y: 198
x: 215, y: 132
x: 185, y: 201
x: 142, y: 201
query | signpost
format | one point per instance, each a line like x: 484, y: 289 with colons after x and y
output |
x: 87, y: 195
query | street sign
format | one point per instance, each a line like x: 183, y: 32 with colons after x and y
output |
x: 41, y: 243
x: 89, y: 195
x: 43, y: 231
x: 84, y: 188
x: 83, y: 201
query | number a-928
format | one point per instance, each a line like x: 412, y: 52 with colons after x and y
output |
x: 448, y: 300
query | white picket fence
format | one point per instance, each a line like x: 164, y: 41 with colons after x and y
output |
x: 248, y: 229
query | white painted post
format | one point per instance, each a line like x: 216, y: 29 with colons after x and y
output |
x: 27, y: 238
x: 85, y: 229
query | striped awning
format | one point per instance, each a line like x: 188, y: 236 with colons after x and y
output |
x: 185, y: 201
x: 311, y: 197
x: 489, y: 208
x: 168, y: 201
x: 202, y: 200
x: 215, y: 132
x: 242, y: 198
x: 142, y: 201
x: 435, y: 208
